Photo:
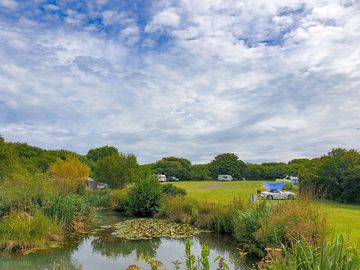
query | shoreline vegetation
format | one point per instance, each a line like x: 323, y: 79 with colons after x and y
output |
x: 44, y: 199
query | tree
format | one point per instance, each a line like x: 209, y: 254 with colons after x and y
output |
x: 117, y: 169
x: 173, y: 166
x: 200, y: 172
x: 70, y: 175
x: 8, y: 158
x: 227, y: 163
x: 101, y: 152
x: 339, y: 176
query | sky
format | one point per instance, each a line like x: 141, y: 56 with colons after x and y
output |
x: 268, y: 80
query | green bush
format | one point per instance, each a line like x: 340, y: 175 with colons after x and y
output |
x: 119, y: 199
x: 171, y: 190
x: 145, y: 196
x: 20, y: 230
x: 99, y: 198
x: 178, y: 209
x: 72, y: 212
x: 247, y: 222
x: 23, y: 190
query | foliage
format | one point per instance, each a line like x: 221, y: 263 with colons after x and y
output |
x: 227, y: 163
x: 117, y: 169
x: 248, y: 222
x: 335, y: 255
x: 101, y: 152
x: 70, y: 211
x: 23, y: 190
x: 19, y: 230
x: 171, y: 190
x: 70, y: 175
x: 8, y: 158
x: 119, y: 199
x: 200, y: 172
x: 145, y: 196
x: 173, y: 166
x: 149, y: 228
x: 98, y: 198
x: 339, y: 176
x: 207, y: 215
x: 292, y: 221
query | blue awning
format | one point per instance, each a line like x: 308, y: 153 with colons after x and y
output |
x: 269, y: 186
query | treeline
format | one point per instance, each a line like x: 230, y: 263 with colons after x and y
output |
x: 334, y: 176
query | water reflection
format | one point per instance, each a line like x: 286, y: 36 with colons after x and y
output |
x: 102, y: 251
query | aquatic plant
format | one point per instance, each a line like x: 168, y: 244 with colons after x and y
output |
x: 20, y: 230
x: 70, y: 211
x: 334, y: 255
x: 140, y: 229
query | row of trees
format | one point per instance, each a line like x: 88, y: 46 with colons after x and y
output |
x: 335, y: 175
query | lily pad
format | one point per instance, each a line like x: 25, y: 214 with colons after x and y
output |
x: 141, y: 229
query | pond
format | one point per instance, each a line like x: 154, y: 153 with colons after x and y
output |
x: 95, y: 251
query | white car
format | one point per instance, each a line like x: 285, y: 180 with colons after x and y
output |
x: 276, y: 194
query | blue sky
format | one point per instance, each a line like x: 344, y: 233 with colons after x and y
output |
x: 267, y: 80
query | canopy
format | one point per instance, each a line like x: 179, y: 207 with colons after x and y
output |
x: 269, y: 186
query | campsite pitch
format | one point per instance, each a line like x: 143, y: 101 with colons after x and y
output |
x: 343, y: 218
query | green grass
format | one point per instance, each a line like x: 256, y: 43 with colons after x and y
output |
x: 342, y: 218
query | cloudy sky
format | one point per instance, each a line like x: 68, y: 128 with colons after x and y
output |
x: 270, y: 80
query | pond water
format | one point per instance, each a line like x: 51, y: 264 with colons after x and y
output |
x: 95, y: 251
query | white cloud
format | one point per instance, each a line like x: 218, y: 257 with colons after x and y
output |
x: 9, y: 4
x: 269, y: 80
x: 164, y: 19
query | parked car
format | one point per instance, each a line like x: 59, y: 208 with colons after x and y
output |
x: 172, y: 179
x: 162, y: 178
x: 276, y: 194
x: 225, y: 177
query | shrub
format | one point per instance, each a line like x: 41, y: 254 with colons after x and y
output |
x: 23, y: 190
x: 292, y: 221
x: 70, y: 211
x: 19, y: 230
x: 171, y: 190
x: 119, y: 199
x: 145, y: 196
x: 246, y: 224
x: 178, y: 209
x: 100, y: 198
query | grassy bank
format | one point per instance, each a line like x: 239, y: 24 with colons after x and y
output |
x: 343, y: 218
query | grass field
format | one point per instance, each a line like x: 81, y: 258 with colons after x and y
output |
x: 343, y: 218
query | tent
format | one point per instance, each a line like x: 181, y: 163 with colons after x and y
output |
x: 269, y: 186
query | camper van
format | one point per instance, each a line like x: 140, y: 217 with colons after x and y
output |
x: 162, y: 178
x: 225, y: 177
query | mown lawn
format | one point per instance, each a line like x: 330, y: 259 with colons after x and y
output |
x: 343, y: 218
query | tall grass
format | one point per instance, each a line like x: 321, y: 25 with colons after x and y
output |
x: 20, y: 230
x: 333, y: 255
x: 70, y: 211
x: 99, y: 198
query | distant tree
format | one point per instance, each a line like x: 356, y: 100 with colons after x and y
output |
x: 254, y: 172
x: 70, y: 175
x: 101, y: 152
x: 274, y: 170
x: 8, y: 158
x: 117, y: 169
x: 227, y: 163
x: 200, y: 172
x: 173, y: 166
x: 339, y: 176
